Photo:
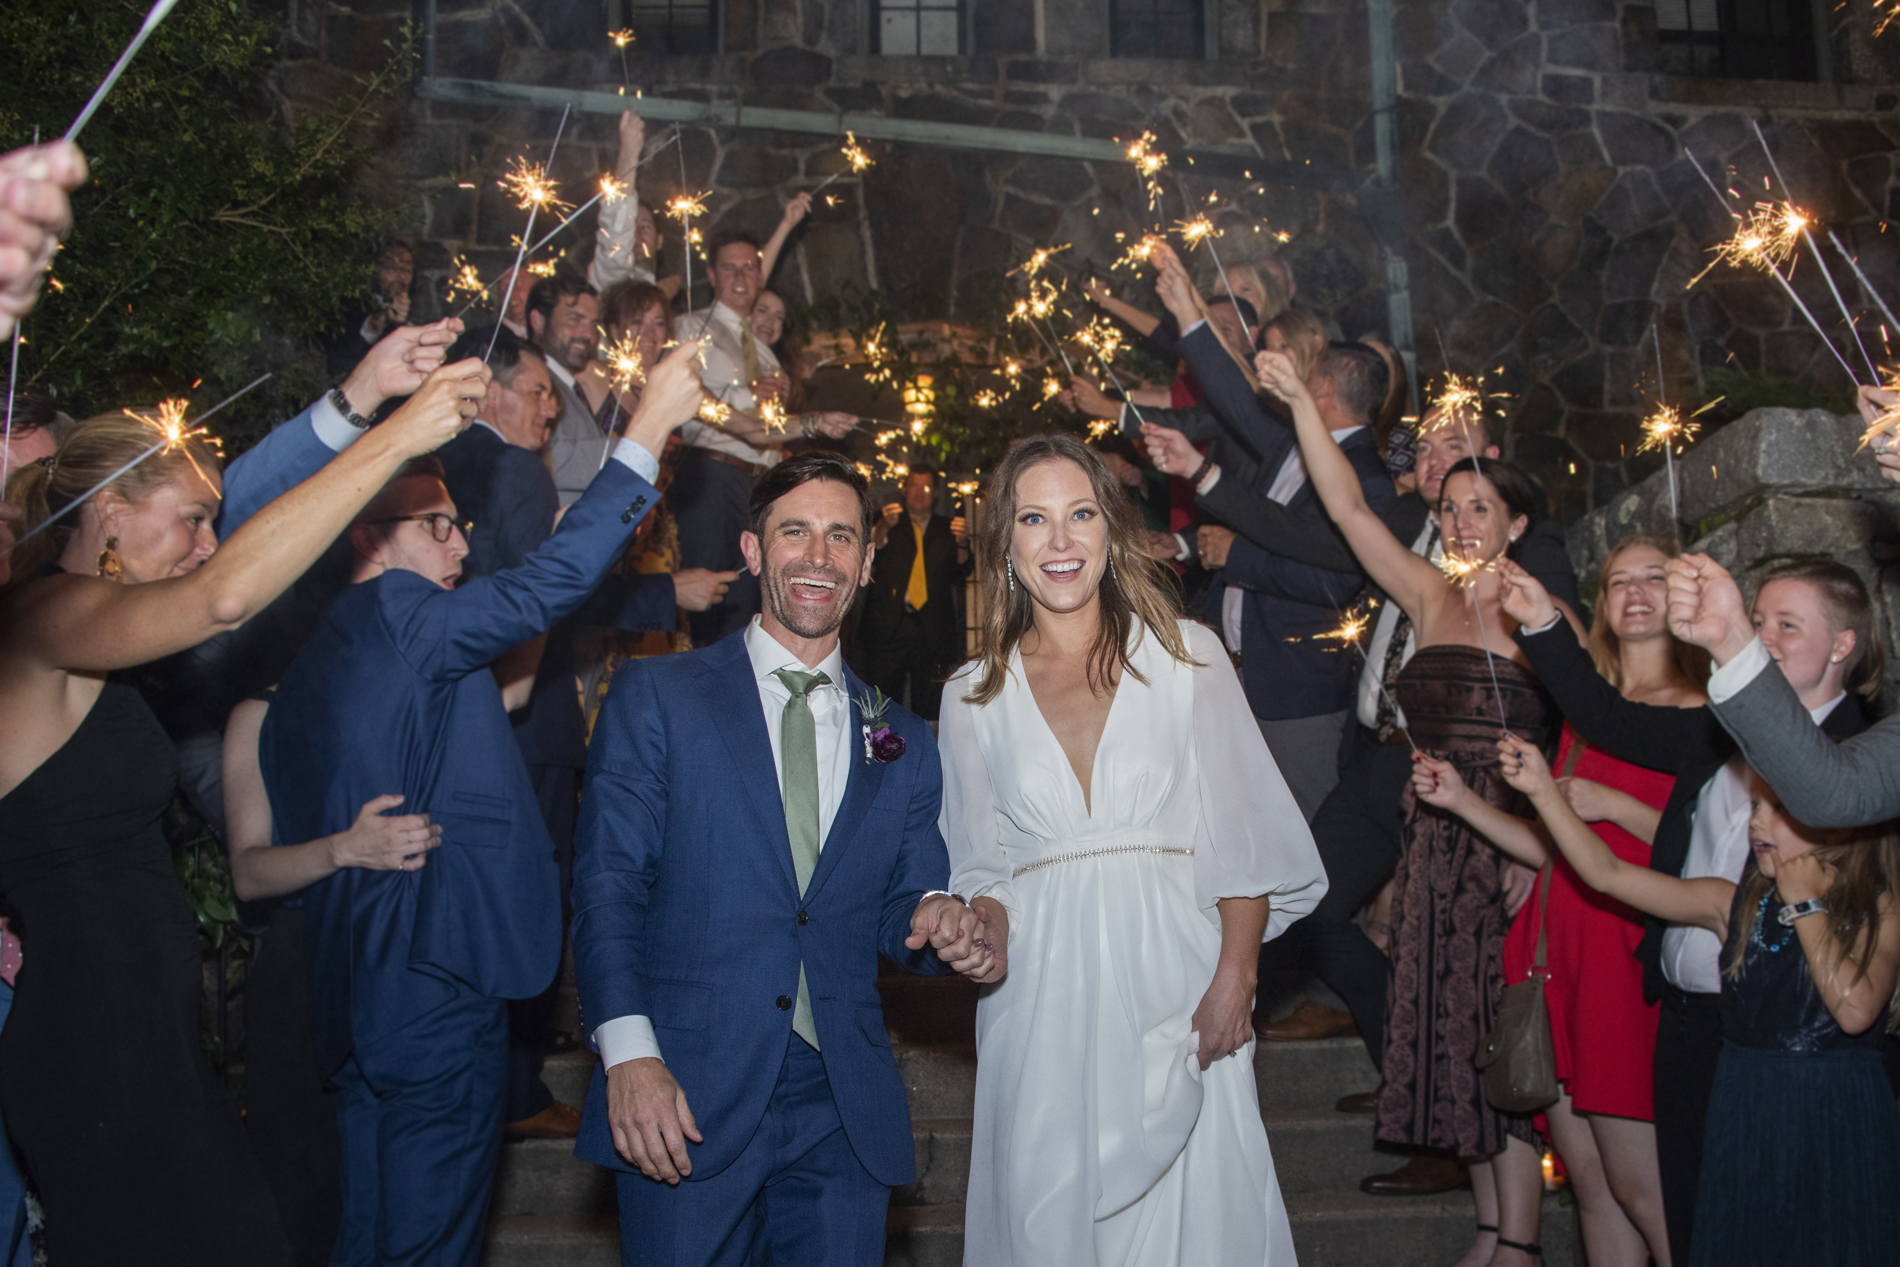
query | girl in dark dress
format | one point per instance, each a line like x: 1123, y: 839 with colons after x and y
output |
x: 1802, y: 1155
x: 136, y: 1150
x: 1464, y: 686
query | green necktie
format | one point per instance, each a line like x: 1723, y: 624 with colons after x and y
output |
x: 798, y: 749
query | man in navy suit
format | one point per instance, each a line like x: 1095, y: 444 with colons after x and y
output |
x: 409, y: 969
x: 750, y: 839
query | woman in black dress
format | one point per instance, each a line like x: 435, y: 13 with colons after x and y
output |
x: 137, y: 1152
x: 1467, y: 682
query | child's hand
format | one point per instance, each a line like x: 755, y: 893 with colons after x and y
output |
x: 1802, y: 877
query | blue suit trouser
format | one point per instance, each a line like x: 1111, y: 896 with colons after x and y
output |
x: 420, y: 1116
x: 796, y: 1197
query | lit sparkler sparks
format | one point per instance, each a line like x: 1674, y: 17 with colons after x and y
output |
x: 687, y: 207
x: 466, y: 281
x: 987, y: 399
x: 528, y: 184
x: 715, y: 411
x: 535, y: 200
x: 772, y: 415
x: 1196, y: 231
x: 1033, y: 266
x: 1765, y: 238
x: 855, y: 156
x: 621, y: 38
x: 1142, y: 252
x: 1888, y: 11
x: 1149, y: 163
x: 1461, y: 571
x: 1667, y: 429
x: 625, y: 366
x: 1352, y: 626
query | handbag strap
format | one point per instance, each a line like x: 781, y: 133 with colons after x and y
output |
x: 1577, y: 745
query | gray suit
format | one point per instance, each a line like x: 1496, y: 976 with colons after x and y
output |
x: 578, y: 449
x: 1822, y: 783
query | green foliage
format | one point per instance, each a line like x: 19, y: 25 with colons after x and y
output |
x: 217, y: 239
x: 224, y: 943
x: 1743, y: 390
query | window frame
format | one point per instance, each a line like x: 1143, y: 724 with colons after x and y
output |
x: 1207, y: 33
x: 715, y: 10
x: 874, y: 27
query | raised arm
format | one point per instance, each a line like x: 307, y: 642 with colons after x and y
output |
x: 616, y: 246
x: 1409, y: 579
x: 260, y: 869
x: 1142, y: 323
x: 795, y: 211
x: 1701, y: 903
x: 83, y: 624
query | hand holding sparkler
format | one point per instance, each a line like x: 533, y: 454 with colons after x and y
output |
x: 1523, y: 597
x: 671, y: 397
x: 1278, y: 375
x: 34, y: 215
x: 1087, y: 399
x: 1880, y: 408
x: 1438, y: 783
x: 633, y: 139
x: 1706, y: 607
x: 440, y: 409
x: 1170, y: 450
x: 398, y: 363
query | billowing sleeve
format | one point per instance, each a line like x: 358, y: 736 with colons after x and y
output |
x: 1253, y: 838
x: 979, y: 865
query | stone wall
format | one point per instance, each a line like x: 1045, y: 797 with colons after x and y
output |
x: 1549, y: 211
x: 1774, y: 483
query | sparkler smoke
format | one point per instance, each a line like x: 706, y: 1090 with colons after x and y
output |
x: 1794, y: 215
x: 172, y: 432
x: 152, y: 19
x: 534, y: 207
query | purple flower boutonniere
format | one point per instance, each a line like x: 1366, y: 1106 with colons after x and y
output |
x: 880, y: 744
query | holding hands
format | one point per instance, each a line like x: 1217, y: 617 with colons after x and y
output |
x: 968, y: 938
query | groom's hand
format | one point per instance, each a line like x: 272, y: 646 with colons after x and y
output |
x: 951, y: 928
x: 650, y: 1121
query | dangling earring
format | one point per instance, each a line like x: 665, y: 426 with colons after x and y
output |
x: 1009, y: 565
x: 109, y: 566
x: 1111, y: 565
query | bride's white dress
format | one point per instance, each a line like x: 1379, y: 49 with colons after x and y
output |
x: 1099, y: 1142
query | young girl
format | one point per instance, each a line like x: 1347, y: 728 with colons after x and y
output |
x: 1802, y: 1155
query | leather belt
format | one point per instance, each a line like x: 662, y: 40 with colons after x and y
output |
x: 713, y: 455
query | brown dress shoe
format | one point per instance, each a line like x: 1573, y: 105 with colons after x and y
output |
x: 557, y: 1121
x: 1359, y: 1102
x: 1422, y: 1176
x: 1307, y: 1023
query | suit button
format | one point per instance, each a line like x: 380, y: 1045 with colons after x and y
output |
x: 803, y: 919
x: 784, y: 1002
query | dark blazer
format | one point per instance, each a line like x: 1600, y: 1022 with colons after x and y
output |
x: 1686, y: 742
x: 890, y: 578
x: 1285, y: 671
x: 509, y: 494
x: 687, y: 911
x: 392, y: 693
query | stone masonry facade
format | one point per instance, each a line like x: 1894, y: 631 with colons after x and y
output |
x: 1546, y: 207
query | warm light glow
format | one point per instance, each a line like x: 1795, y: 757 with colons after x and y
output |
x: 1765, y: 239
x: 624, y: 364
x: 612, y: 190
x: 528, y: 184
x: 1194, y: 232
x: 466, y: 281
x: 687, y: 207
x: 854, y: 154
x: 1034, y: 265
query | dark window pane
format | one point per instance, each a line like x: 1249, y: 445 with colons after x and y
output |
x: 910, y: 28
x: 1156, y: 28
x: 672, y: 27
x: 1737, y: 39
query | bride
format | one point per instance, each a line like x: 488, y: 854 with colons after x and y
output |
x: 1112, y: 811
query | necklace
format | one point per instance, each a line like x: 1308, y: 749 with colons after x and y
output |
x: 1761, y: 922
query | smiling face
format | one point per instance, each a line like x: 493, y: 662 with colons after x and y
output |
x: 768, y: 319
x: 811, y: 558
x: 570, y: 334
x: 649, y: 331
x: 1792, y: 619
x: 170, y: 531
x: 1059, y: 543
x: 1476, y: 523
x: 1443, y: 444
x: 1636, y: 594
x: 737, y: 277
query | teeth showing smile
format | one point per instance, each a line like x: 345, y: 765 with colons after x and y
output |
x: 1058, y: 569
x: 814, y: 582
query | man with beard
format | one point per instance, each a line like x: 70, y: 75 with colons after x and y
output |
x: 564, y: 323
x: 749, y: 836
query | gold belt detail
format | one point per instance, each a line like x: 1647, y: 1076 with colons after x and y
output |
x: 1102, y: 853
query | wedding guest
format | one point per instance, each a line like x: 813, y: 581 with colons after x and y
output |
x: 1448, y: 910
x: 385, y: 308
x: 1301, y: 336
x: 102, y: 1057
x: 1703, y: 828
x: 31, y: 433
x: 1810, y: 951
x: 1603, y: 1031
x: 564, y: 325
x: 909, y: 634
x: 392, y: 694
x: 1149, y: 802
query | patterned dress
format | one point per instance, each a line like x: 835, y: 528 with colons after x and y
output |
x: 1448, y: 919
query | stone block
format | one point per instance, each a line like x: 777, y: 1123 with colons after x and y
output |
x: 1574, y: 192
x: 1570, y: 90
x: 1513, y: 69
x: 1750, y: 302
x: 1783, y: 526
x: 789, y: 66
x: 1482, y: 212
x: 1782, y: 451
x: 1580, y: 386
x: 1547, y: 116
x: 1550, y: 339
x: 1590, y: 47
x: 1494, y: 22
x: 1552, y: 14
x: 1626, y: 324
x: 1482, y: 334
x: 1635, y: 261
x: 1213, y: 123
x: 1459, y: 58
x: 1553, y: 251
x: 1634, y: 141
x: 1580, y: 294
x: 1633, y: 203
x: 1055, y: 179
x: 1468, y: 129
x: 1037, y: 70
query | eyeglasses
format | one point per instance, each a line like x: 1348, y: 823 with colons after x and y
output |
x: 441, y: 526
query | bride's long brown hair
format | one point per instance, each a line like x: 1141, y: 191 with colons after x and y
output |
x: 1131, y: 591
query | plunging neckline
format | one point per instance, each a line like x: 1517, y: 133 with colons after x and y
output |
x: 1095, y: 760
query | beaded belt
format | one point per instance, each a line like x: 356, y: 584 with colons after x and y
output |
x: 1101, y: 853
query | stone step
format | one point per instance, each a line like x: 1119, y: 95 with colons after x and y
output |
x: 544, y: 1177
x: 943, y: 1162
x: 558, y: 1240
x: 567, y: 1076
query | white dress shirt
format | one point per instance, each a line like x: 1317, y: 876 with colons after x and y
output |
x: 1718, y: 846
x: 723, y: 343
x: 614, y: 246
x: 631, y: 1037
x: 1726, y: 682
x: 1371, y: 674
x: 330, y: 425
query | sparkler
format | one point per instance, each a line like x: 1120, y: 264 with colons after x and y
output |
x: 1201, y: 231
x: 1103, y: 339
x: 1888, y: 11
x: 172, y: 434
x: 1887, y: 421
x: 855, y: 156
x: 1348, y: 633
x: 621, y: 39
x: 1464, y: 574
x: 534, y: 198
x: 1865, y: 285
x: 1463, y: 398
x: 152, y: 19
x: 1149, y: 163
x: 1140, y: 253
x: 685, y: 208
x: 1794, y: 218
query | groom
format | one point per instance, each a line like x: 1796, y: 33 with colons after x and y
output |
x: 750, y: 837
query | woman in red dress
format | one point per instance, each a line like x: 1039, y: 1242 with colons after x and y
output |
x: 1603, y: 1031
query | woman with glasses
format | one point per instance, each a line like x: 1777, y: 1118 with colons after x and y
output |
x: 136, y: 1150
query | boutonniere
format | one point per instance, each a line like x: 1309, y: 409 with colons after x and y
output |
x: 880, y: 745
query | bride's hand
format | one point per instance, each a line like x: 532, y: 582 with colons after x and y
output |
x: 992, y: 939
x: 1224, y: 1020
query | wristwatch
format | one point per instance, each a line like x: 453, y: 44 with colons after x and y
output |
x: 1789, y: 914
x: 342, y: 405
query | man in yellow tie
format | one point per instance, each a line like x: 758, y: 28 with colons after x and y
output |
x: 910, y: 634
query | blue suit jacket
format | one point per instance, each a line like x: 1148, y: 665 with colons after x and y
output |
x: 686, y: 909
x: 392, y: 693
x: 509, y: 494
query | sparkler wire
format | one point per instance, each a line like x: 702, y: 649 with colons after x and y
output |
x: 521, y: 256
x: 1865, y: 285
x: 152, y: 19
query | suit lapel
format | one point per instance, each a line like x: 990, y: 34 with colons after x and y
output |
x: 859, y: 792
x: 733, y: 695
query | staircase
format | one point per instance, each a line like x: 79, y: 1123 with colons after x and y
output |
x: 551, y: 1210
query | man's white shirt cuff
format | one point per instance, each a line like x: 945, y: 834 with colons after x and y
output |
x: 634, y: 456
x: 1546, y: 627
x: 330, y: 425
x: 1196, y: 326
x: 1208, y: 481
x: 626, y: 1038
x: 1728, y: 681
